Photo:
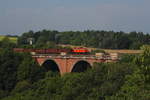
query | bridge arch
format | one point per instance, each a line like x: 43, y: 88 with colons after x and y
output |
x: 80, y: 66
x: 51, y: 65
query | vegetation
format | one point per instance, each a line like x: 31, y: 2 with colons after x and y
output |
x: 13, y: 39
x: 21, y: 78
x: 97, y: 51
x: 98, y: 39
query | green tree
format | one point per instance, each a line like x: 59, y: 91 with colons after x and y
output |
x: 9, y: 62
x: 6, y: 43
x: 21, y: 86
x: 29, y: 70
x: 137, y: 85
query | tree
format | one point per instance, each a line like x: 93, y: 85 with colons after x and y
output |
x: 6, y: 43
x: 9, y: 63
x: 29, y: 70
x: 137, y: 85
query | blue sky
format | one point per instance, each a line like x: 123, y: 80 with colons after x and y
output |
x: 18, y: 16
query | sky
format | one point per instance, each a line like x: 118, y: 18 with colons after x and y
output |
x: 19, y: 16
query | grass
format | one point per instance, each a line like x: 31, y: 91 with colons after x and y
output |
x: 12, y: 39
x: 123, y: 51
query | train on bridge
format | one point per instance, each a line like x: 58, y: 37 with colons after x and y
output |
x: 74, y: 51
x: 78, y: 51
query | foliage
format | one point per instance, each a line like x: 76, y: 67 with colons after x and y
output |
x: 137, y: 85
x: 104, y: 80
x: 128, y: 58
x: 98, y: 39
x: 97, y: 51
x: 29, y: 70
x: 12, y: 39
x: 6, y: 43
x: 21, y: 86
x: 9, y: 62
x: 15, y: 67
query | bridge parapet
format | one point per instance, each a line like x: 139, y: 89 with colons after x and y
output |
x: 113, y: 57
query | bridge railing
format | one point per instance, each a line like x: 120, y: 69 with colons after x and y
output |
x: 104, y: 57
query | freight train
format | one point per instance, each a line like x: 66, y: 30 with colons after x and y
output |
x: 77, y: 51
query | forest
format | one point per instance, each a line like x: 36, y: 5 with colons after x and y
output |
x: 21, y: 78
x: 97, y: 39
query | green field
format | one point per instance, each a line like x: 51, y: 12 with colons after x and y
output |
x: 12, y: 39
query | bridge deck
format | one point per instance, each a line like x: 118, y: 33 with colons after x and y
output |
x: 106, y: 57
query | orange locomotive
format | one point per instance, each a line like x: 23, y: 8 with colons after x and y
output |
x: 80, y: 51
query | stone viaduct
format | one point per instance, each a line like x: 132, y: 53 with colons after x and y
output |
x: 70, y: 63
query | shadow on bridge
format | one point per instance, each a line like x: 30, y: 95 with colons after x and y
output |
x: 81, y: 66
x: 51, y: 65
